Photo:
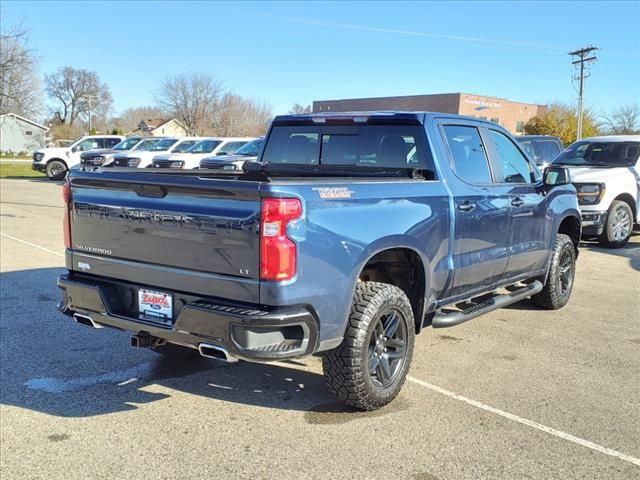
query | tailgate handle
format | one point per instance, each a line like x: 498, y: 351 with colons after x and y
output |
x: 153, y: 191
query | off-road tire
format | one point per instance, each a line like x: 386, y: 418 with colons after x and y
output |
x: 346, y: 368
x: 552, y: 296
x: 607, y: 238
x: 177, y: 351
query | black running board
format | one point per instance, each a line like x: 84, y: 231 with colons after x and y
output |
x: 443, y: 320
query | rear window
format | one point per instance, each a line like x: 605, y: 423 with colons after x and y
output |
x: 541, y: 150
x: 395, y: 146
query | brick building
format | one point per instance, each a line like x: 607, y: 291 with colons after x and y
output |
x: 511, y: 115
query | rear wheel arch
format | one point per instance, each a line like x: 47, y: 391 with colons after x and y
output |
x: 404, y: 268
x: 571, y: 225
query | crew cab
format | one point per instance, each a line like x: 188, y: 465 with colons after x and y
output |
x: 143, y: 158
x: 206, y: 147
x: 606, y: 173
x: 247, y: 153
x: 56, y: 161
x: 350, y: 235
x: 104, y: 156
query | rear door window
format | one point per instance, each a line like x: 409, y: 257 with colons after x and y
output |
x: 514, y: 165
x: 395, y: 146
x: 468, y: 153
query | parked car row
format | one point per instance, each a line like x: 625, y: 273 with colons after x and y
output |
x: 604, y: 170
x: 142, y: 152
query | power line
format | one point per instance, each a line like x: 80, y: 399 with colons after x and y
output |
x: 581, y: 58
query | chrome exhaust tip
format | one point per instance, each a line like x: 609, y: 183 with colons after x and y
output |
x: 86, y: 320
x: 215, y: 351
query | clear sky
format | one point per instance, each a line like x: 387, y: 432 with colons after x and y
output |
x: 286, y: 52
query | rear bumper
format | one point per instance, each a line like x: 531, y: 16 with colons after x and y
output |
x: 593, y: 222
x: 249, y: 332
x: 38, y: 167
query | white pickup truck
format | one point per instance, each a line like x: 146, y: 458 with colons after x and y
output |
x: 55, y: 162
x: 606, y: 174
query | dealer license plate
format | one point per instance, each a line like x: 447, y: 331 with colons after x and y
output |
x: 155, y: 304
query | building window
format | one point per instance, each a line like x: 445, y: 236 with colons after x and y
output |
x: 519, y: 127
x: 496, y: 120
x: 28, y: 132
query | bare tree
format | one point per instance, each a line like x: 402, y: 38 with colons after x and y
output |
x: 192, y: 98
x: 297, y: 108
x: 129, y: 119
x: 624, y: 120
x: 20, y: 89
x: 76, y: 93
x: 240, y: 116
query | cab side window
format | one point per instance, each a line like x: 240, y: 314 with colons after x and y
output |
x: 469, y: 157
x: 514, y: 165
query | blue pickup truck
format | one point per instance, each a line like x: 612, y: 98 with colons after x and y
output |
x: 350, y: 235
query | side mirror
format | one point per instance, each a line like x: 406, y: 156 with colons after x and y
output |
x: 556, y: 176
x: 75, y: 148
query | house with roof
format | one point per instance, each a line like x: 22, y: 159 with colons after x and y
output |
x: 19, y: 134
x: 161, y: 127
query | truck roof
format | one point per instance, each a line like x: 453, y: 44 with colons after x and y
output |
x: 367, y: 116
x: 613, y: 138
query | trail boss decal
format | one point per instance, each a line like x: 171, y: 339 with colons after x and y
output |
x: 333, y: 192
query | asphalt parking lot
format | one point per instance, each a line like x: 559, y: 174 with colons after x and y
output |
x: 520, y: 393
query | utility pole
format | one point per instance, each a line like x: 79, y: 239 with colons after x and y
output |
x: 581, y: 57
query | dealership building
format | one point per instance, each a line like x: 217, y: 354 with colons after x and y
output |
x: 511, y: 115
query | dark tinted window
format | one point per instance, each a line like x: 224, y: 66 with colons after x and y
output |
x: 111, y: 142
x: 366, y: 145
x: 467, y: 150
x: 541, y: 150
x: 600, y: 154
x: 514, y: 165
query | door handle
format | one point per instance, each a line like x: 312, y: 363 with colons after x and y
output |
x: 517, y: 202
x: 466, y: 206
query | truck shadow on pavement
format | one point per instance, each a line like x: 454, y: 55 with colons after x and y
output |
x: 51, y: 365
x: 630, y: 251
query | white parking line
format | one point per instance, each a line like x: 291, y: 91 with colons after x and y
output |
x: 528, y: 423
x: 469, y: 401
x: 32, y: 245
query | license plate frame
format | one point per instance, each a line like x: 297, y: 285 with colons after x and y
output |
x: 155, y: 305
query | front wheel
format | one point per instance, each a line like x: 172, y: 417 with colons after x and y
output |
x: 369, y: 367
x: 619, y: 225
x: 557, y: 289
x: 55, y: 170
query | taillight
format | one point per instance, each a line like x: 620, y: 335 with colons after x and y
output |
x: 66, y: 222
x: 277, y: 251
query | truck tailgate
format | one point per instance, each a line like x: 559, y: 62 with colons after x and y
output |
x: 181, y: 232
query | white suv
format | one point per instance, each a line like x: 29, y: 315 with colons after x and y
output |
x: 56, y: 161
x: 143, y: 157
x: 205, y: 148
x: 606, y: 174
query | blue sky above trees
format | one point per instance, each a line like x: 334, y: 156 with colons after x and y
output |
x: 290, y: 52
